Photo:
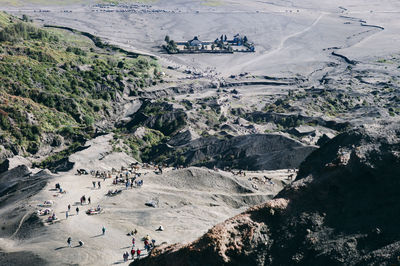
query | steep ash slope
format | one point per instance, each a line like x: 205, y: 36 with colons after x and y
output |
x: 16, y: 187
x: 17, y: 218
x: 341, y: 209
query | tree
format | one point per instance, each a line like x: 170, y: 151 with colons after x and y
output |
x: 172, y: 46
x: 167, y: 39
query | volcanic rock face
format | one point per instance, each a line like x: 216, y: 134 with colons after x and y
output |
x: 342, y: 209
x: 18, y: 185
x: 252, y: 152
x: 17, y: 219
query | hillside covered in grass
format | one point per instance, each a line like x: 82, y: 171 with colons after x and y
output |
x: 57, y: 87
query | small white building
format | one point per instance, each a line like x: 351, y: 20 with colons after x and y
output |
x: 195, y: 42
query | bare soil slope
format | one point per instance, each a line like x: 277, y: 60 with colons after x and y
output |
x: 341, y: 209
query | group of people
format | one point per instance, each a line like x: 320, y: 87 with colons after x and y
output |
x: 98, y: 184
x: 59, y: 188
x: 138, y: 252
x: 69, y: 242
x: 148, y: 245
x: 52, y: 218
x: 130, y: 178
x: 101, y: 174
x: 83, y: 200
x: 125, y: 256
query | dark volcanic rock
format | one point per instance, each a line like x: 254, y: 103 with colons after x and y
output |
x: 160, y: 116
x: 63, y: 165
x: 252, y: 152
x: 4, y: 166
x: 21, y: 258
x: 343, y: 209
x: 16, y: 186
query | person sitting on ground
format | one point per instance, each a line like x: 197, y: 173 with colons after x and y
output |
x: 81, y: 243
x: 160, y: 228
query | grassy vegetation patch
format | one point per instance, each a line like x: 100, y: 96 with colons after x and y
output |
x: 54, y: 81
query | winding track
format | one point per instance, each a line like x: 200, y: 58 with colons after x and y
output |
x: 283, y: 41
x: 20, y: 224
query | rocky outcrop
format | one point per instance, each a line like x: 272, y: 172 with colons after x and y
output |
x: 159, y: 116
x: 342, y: 209
x: 18, y: 218
x: 184, y: 137
x: 21, y: 258
x: 13, y: 162
x: 252, y: 152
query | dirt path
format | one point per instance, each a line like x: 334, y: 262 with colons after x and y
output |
x: 282, y: 43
